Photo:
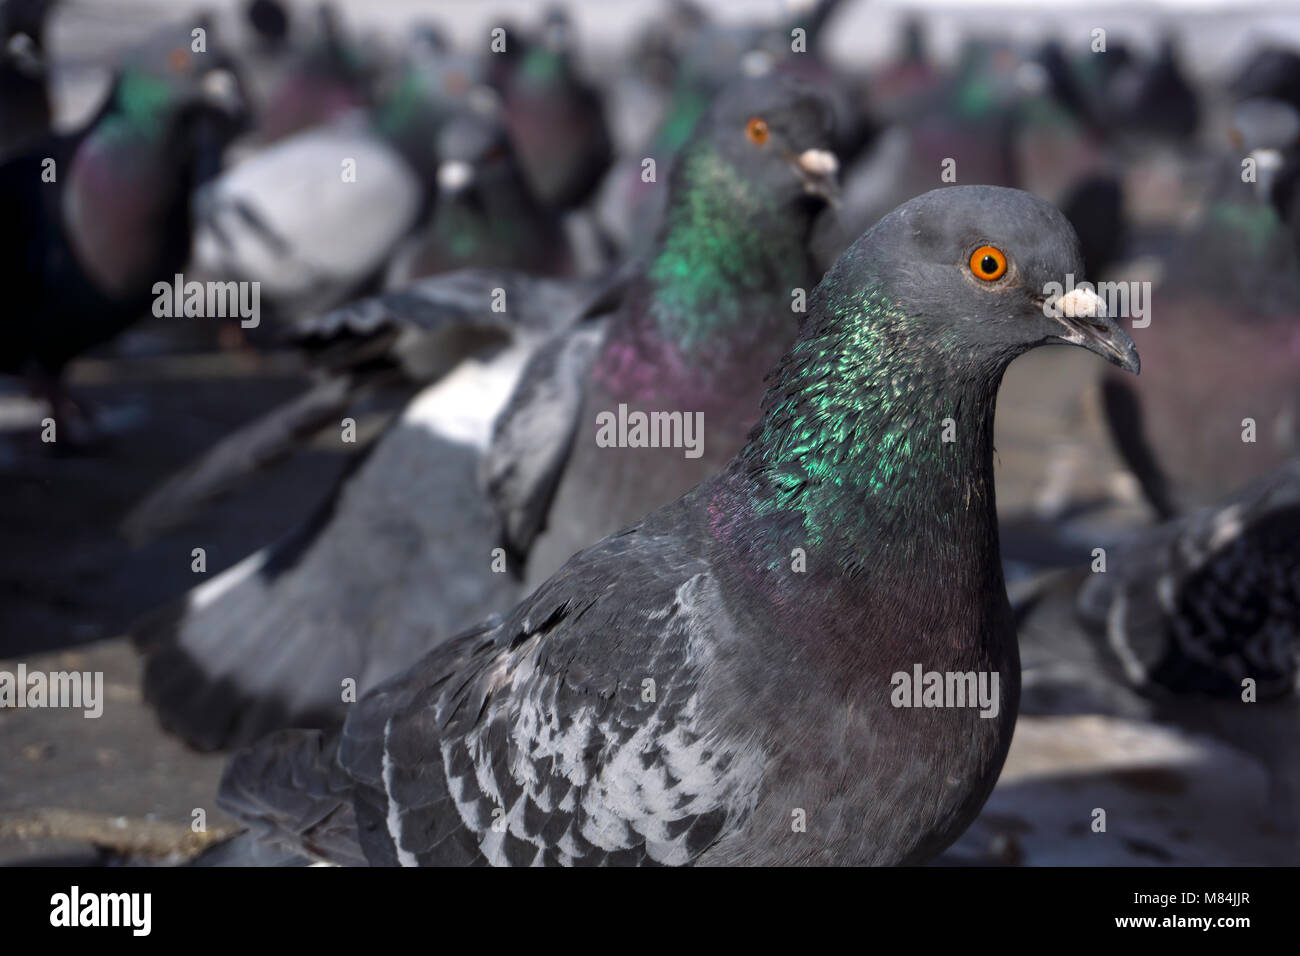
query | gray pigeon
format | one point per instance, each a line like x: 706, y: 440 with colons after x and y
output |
x: 268, y: 642
x: 413, y: 546
x: 1182, y: 617
x: 390, y: 345
x: 1220, y: 405
x: 685, y: 691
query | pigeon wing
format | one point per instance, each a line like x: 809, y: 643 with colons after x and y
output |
x: 572, y: 731
x: 534, y: 433
x: 1211, y: 599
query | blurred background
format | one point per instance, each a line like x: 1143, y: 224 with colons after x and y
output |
x: 1141, y: 145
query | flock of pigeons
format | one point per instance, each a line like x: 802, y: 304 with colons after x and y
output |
x: 502, y: 641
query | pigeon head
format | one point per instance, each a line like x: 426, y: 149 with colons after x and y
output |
x: 775, y: 133
x: 989, y: 272
x: 1268, y: 132
x: 175, y: 104
x: 22, y: 31
x: 190, y: 66
x: 888, y: 394
x: 713, y: 309
x: 416, y: 98
x: 475, y: 154
x: 180, y: 92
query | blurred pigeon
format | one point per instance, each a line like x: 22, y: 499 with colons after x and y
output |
x: 712, y: 312
x: 1182, y: 617
x: 287, y: 218
x: 1095, y: 208
x: 24, y: 97
x: 1064, y: 145
x: 676, y: 691
x: 853, y: 127
x: 91, y: 220
x: 1068, y: 88
x: 371, y: 584
x: 909, y: 76
x: 329, y: 78
x: 1271, y: 128
x: 318, y: 217
x: 965, y: 127
x: 1152, y: 98
x: 555, y: 117
x: 379, y: 350
x: 708, y: 56
x: 486, y: 214
x: 1271, y: 72
x: 1220, y: 403
x: 270, y: 22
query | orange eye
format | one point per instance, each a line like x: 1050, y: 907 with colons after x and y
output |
x: 456, y: 83
x: 988, y: 263
x: 757, y: 131
x: 178, y: 59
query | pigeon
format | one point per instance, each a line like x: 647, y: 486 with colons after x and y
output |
x: 911, y: 74
x: 269, y: 21
x: 1153, y: 98
x: 701, y: 329
x: 368, y: 356
x: 555, y: 117
x: 679, y: 693
x: 1095, y: 207
x: 486, y: 214
x: 269, y: 641
x: 24, y: 97
x: 414, y: 545
x: 1184, y: 623
x: 331, y: 77
x: 318, y: 216
x: 1220, y: 404
x: 708, y: 56
x: 91, y: 220
x: 1273, y: 128
x: 965, y: 127
x: 1272, y: 72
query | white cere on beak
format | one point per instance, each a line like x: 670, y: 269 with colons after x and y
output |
x: 1267, y: 159
x: 454, y: 175
x: 1268, y: 163
x: 220, y: 88
x: 820, y: 163
x: 816, y: 168
x: 1083, y: 303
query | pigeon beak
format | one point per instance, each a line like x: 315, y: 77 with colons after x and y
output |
x: 1082, y: 314
x: 221, y: 91
x: 816, y: 169
x: 455, y: 176
x: 1268, y: 162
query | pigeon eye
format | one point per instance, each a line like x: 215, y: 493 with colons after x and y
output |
x: 178, y: 59
x: 757, y: 131
x: 988, y: 263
